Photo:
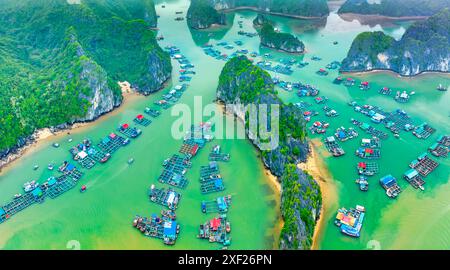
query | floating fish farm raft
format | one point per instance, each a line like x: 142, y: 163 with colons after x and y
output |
x: 210, y: 178
x: 373, y: 142
x: 350, y: 221
x: 131, y: 132
x: 441, y: 147
x: 216, y: 230
x: 165, y: 197
x: 217, y: 155
x: 333, y: 147
x: 368, y: 153
x: 112, y: 142
x: 424, y: 165
x: 438, y: 150
x: 163, y: 228
x: 423, y: 131
x: 87, y: 155
x: 385, y: 91
x: 319, y: 127
x: 370, y: 130
x: 389, y: 183
x: 174, y: 169
x: 152, y: 112
x: 414, y: 179
x: 344, y: 134
x: 219, y: 205
x: 367, y: 168
x: 362, y: 182
x: 36, y: 193
x: 141, y: 120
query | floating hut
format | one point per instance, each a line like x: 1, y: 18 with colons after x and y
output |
x: 413, y: 177
x: 368, y: 153
x: 141, y: 120
x: 333, y: 147
x: 350, y: 221
x: 363, y: 183
x: 389, y: 183
x: 162, y: 228
x: 169, y: 198
x: 424, y: 165
x: 217, y: 155
x: 216, y: 230
x: 218, y: 205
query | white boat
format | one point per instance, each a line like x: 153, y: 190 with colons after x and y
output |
x: 35, y: 167
x: 30, y: 186
x: 130, y: 161
x: 50, y: 167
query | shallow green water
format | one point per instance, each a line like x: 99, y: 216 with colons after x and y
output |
x: 101, y: 218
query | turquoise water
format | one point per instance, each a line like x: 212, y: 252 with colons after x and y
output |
x: 101, y: 218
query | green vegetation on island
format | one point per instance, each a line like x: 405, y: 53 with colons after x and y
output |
x: 243, y: 83
x: 425, y: 46
x: 201, y: 15
x: 300, y: 8
x: 60, y: 63
x: 279, y: 41
x: 394, y: 8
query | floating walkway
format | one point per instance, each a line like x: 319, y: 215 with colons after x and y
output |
x: 169, y: 198
x: 219, y: 205
x: 163, y: 228
x: 210, y: 178
x: 216, y: 230
x: 333, y: 147
x: 350, y: 221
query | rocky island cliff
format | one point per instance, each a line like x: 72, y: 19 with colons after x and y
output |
x: 201, y: 15
x: 61, y: 63
x: 295, y: 8
x: 425, y: 47
x: 394, y: 8
x: 243, y: 83
x: 276, y: 40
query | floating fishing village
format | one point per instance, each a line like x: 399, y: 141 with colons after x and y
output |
x: 376, y: 143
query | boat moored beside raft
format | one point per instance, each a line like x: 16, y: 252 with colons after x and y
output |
x: 163, y: 228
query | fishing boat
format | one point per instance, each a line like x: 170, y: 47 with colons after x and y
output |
x: 50, y: 167
x: 30, y: 186
x: 35, y: 167
x: 441, y: 88
x: 83, y: 188
x: 56, y: 145
x: 130, y: 161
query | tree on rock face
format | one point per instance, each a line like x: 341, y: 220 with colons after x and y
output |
x: 201, y: 15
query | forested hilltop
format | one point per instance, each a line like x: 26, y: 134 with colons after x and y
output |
x: 241, y: 82
x: 425, y: 46
x: 394, y: 8
x: 303, y: 8
x: 60, y: 62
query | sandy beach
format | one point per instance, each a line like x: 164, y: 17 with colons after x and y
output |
x: 44, y: 135
x: 317, y: 169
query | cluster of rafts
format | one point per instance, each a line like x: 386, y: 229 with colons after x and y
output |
x: 369, y: 151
